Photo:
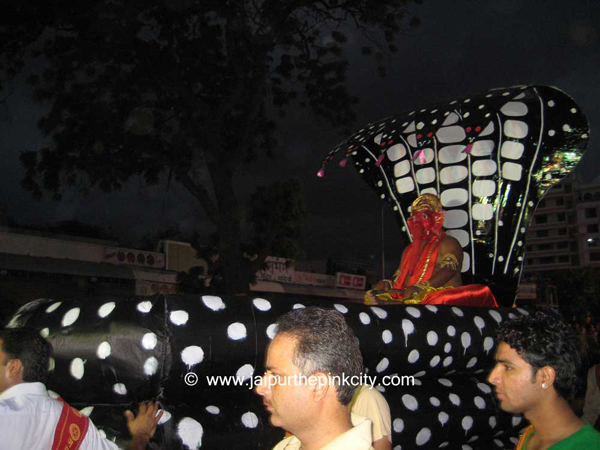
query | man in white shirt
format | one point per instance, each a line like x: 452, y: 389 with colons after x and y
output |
x: 30, y: 419
x: 370, y: 403
x: 303, y: 388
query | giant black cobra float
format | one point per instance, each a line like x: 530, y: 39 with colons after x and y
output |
x: 490, y: 158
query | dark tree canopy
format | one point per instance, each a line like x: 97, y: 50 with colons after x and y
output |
x: 177, y: 89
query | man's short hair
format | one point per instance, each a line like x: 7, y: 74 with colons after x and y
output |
x: 33, y: 350
x: 325, y: 343
x: 542, y: 339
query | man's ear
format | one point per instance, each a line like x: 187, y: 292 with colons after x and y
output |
x: 321, y: 385
x: 546, y: 376
x: 14, y: 370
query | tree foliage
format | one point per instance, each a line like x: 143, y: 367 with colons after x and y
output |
x: 276, y: 212
x: 177, y: 89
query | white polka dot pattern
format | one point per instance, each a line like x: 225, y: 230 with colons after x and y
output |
x: 443, y: 353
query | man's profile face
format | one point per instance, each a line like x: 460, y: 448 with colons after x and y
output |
x: 283, y: 396
x: 516, y: 388
x: 4, y: 382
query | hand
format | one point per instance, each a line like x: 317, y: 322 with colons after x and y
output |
x: 370, y: 299
x: 411, y: 291
x: 383, y: 285
x: 144, y: 424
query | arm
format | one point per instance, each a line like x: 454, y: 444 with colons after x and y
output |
x: 448, y: 263
x: 384, y: 285
x: 142, y: 426
x: 382, y: 444
x: 370, y: 403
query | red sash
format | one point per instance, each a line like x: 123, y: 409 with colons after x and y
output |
x: 416, y: 267
x: 70, y: 429
x: 469, y: 295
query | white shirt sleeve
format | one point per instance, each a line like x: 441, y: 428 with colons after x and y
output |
x: 93, y: 440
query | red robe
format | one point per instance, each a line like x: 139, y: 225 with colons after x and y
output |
x: 417, y: 268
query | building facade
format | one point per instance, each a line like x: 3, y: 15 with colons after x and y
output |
x: 565, y: 231
x: 36, y: 264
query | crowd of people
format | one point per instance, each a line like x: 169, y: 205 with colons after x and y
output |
x: 587, y: 334
x: 536, y: 374
x: 588, y: 397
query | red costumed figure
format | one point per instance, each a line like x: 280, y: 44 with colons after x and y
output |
x: 429, y: 271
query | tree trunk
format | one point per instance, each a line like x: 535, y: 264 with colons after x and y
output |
x: 234, y: 269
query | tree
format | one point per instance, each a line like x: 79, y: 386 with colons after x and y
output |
x: 275, y: 213
x: 183, y: 90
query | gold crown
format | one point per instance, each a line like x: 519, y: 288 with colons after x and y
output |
x: 427, y: 202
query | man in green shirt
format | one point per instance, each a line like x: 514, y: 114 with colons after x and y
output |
x: 537, y: 362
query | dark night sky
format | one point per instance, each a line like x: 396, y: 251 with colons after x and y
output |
x: 462, y: 47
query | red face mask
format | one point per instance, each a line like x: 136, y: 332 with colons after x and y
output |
x: 425, y: 223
